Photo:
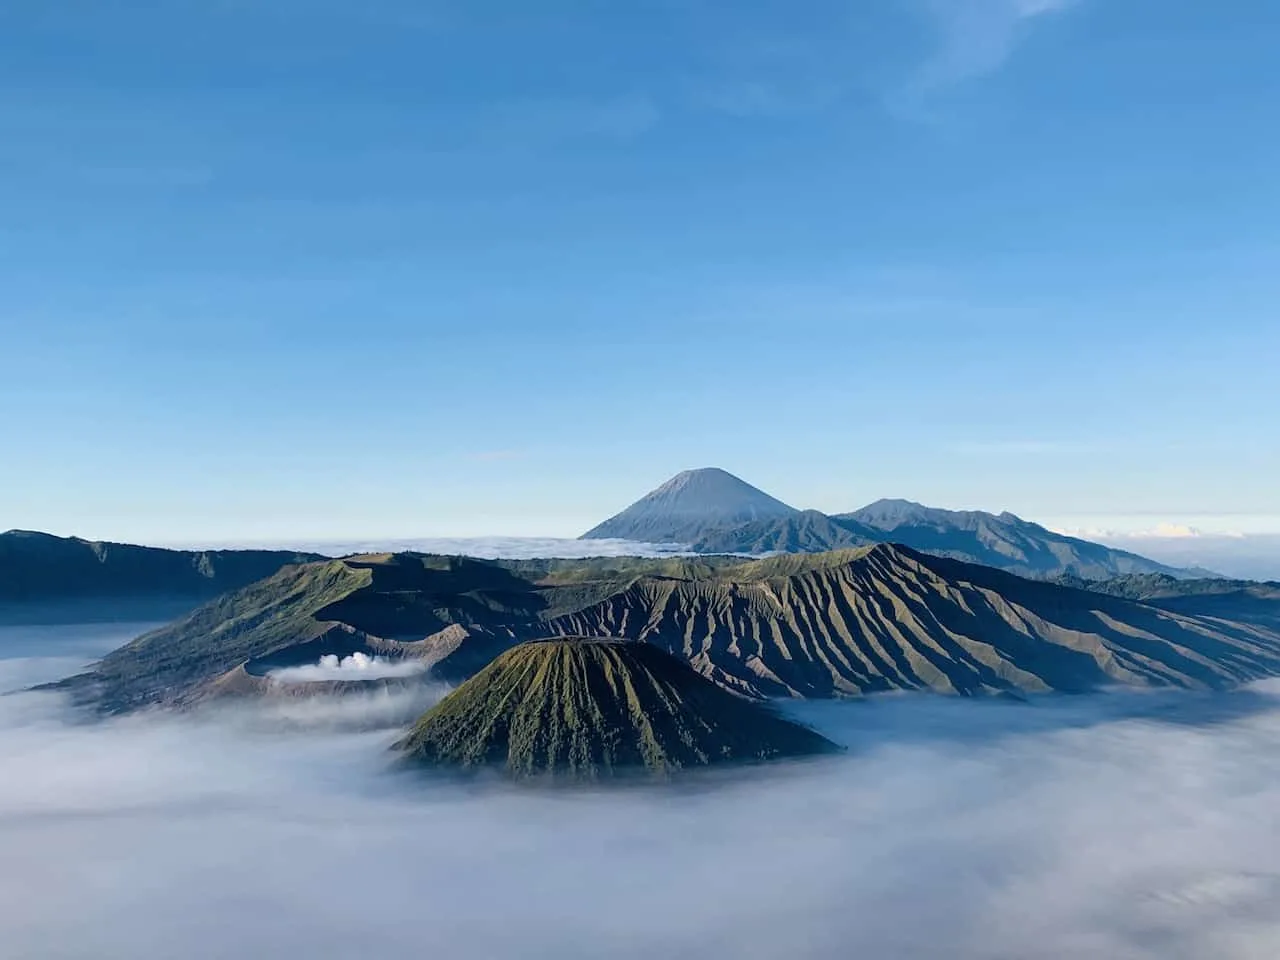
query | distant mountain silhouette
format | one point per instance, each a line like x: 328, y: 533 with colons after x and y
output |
x: 1247, y: 601
x: 587, y: 708
x: 997, y: 540
x: 806, y: 531
x: 688, y: 506
x: 711, y: 511
x: 39, y: 567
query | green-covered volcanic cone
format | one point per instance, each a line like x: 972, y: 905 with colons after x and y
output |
x: 587, y: 708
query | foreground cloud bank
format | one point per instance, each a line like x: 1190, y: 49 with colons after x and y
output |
x: 1131, y: 826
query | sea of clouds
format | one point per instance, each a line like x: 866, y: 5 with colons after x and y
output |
x: 488, y: 548
x: 1120, y: 826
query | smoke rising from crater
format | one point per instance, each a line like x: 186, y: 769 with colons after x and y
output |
x: 1130, y: 827
x: 357, y: 666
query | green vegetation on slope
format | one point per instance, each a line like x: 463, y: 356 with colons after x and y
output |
x: 807, y: 625
x: 586, y: 708
x: 886, y: 618
x: 280, y: 612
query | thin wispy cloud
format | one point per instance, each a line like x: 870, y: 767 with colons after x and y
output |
x: 973, y: 38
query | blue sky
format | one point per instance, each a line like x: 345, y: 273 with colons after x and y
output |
x: 274, y: 268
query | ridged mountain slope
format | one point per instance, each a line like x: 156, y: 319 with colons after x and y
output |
x: 890, y: 618
x: 810, y: 625
x: 588, y: 708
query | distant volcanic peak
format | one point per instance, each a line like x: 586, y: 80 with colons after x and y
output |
x: 714, y: 493
x: 584, y: 708
x: 689, y: 504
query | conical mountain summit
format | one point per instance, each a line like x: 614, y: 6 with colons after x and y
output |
x: 689, y: 505
x: 586, y: 708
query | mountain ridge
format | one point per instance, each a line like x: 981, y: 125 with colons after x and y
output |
x: 40, y: 567
x: 1002, y: 540
x: 844, y: 623
x: 705, y: 525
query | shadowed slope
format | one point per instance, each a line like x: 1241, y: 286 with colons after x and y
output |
x: 1249, y: 601
x: 587, y: 708
x: 39, y: 567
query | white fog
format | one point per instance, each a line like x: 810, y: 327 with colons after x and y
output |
x: 1119, y: 826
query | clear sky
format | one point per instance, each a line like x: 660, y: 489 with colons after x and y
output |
x: 283, y: 268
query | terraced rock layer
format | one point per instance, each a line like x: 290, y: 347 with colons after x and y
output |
x: 588, y: 708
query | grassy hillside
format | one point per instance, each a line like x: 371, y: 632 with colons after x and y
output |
x: 587, y: 708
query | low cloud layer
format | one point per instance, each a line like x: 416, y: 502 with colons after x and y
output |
x: 489, y: 548
x: 358, y: 666
x: 1247, y: 556
x: 1125, y: 826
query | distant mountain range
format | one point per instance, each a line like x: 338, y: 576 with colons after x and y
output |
x: 712, y: 511
x: 40, y: 568
x: 805, y: 625
x: 1247, y: 601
